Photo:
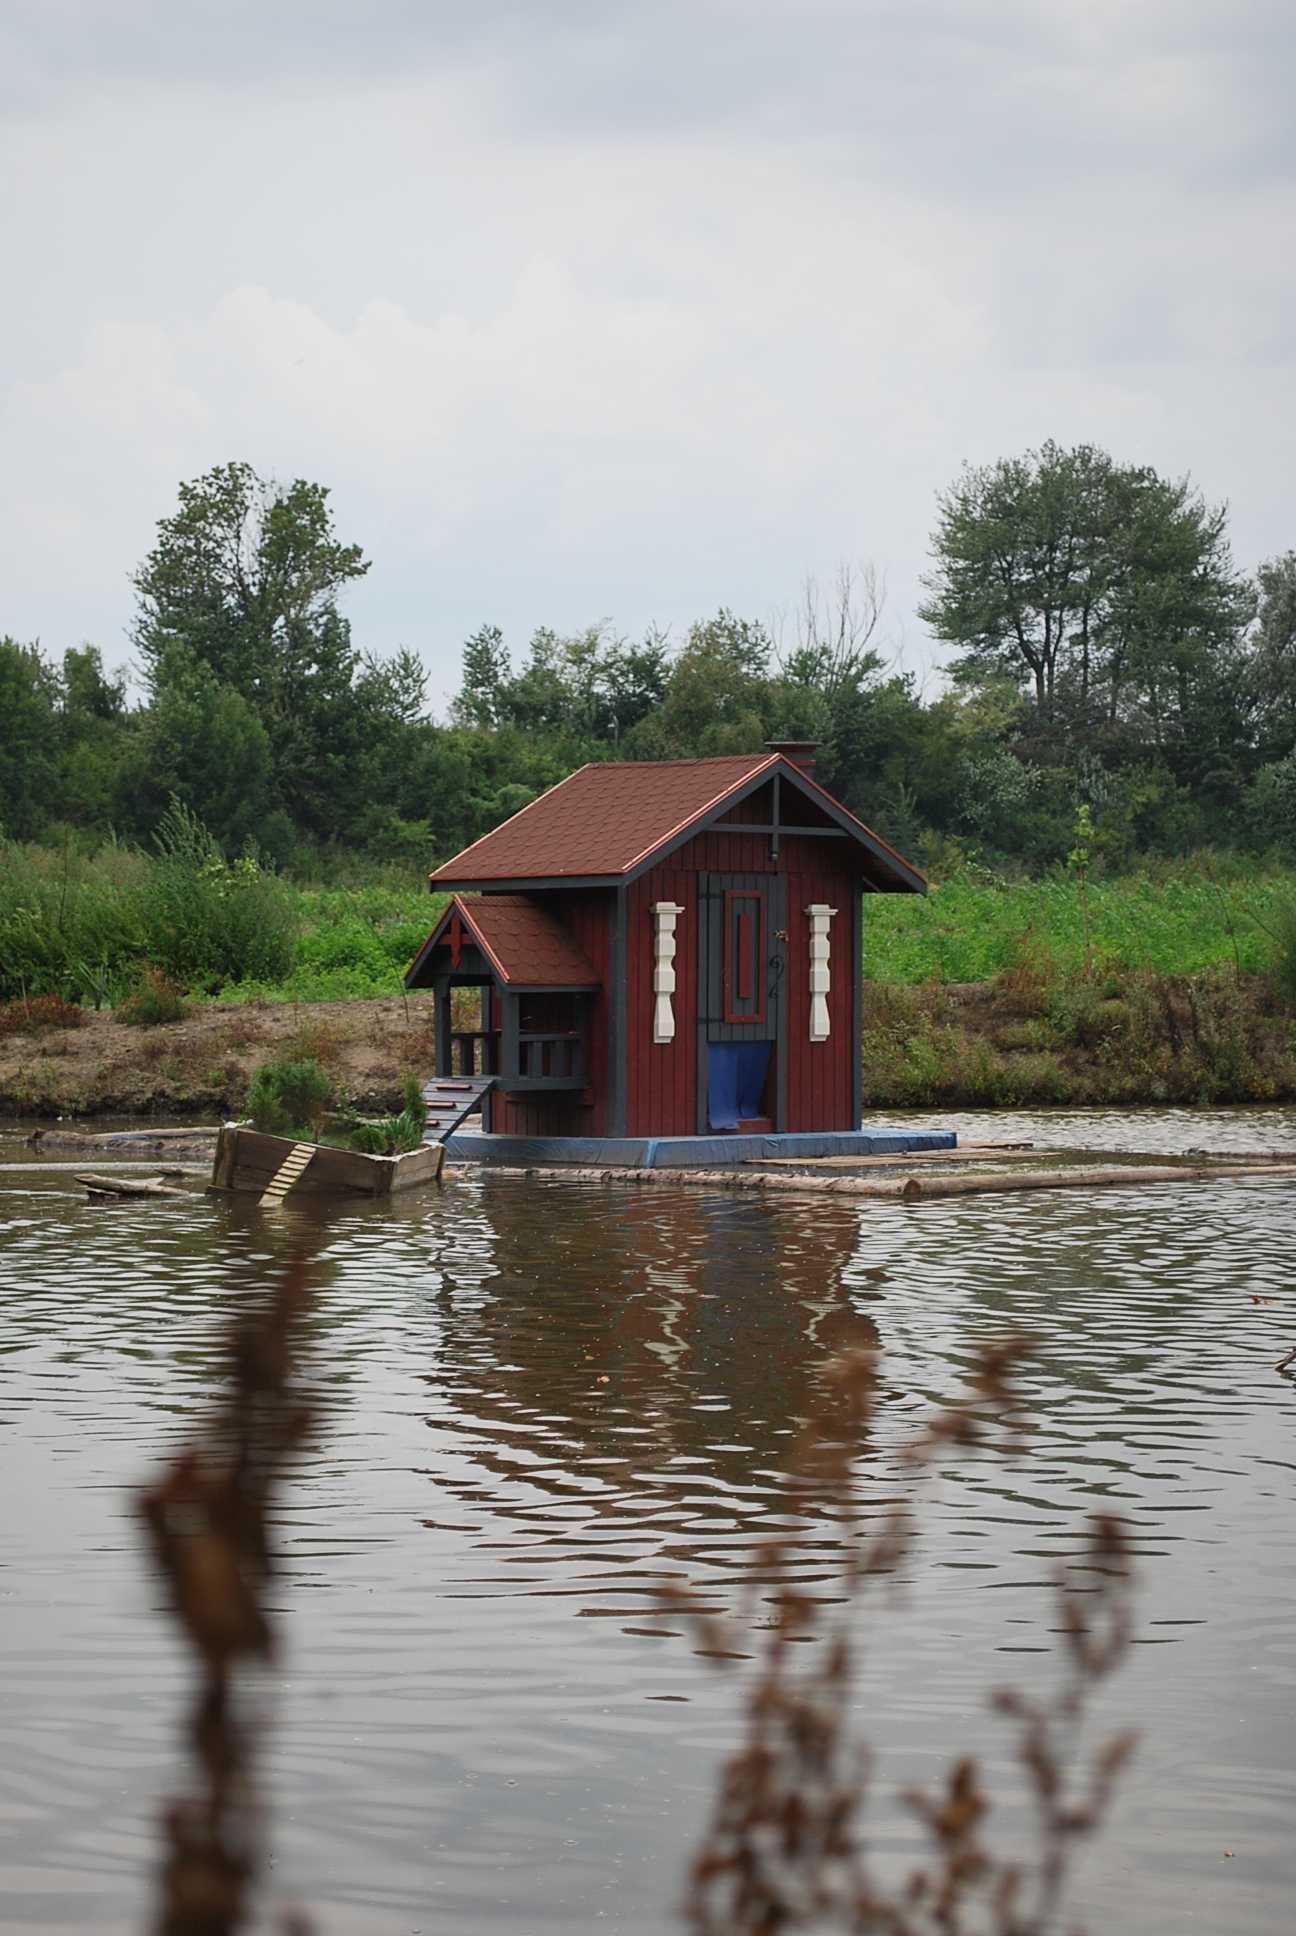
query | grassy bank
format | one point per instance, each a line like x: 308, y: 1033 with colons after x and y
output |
x: 1021, y: 1041
x: 1033, y: 1039
x: 85, y: 929
x: 1143, y: 990
x: 1187, y: 922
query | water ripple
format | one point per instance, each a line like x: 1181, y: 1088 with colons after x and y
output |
x: 545, y: 1403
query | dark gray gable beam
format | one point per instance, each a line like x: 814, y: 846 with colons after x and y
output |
x: 413, y: 977
x: 549, y: 987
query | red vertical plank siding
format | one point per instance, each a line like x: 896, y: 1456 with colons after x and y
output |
x: 661, y: 1077
x: 757, y: 809
x: 819, y: 1086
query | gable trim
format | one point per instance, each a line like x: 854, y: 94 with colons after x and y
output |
x: 906, y: 876
x: 499, y: 972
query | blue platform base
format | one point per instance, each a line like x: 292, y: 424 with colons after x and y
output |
x: 688, y: 1152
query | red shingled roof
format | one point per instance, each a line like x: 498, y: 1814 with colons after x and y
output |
x: 526, y: 946
x: 602, y: 819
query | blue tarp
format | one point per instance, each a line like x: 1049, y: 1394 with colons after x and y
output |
x: 736, y: 1074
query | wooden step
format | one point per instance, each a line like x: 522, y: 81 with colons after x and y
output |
x: 450, y: 1099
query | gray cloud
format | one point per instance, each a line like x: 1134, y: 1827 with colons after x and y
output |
x: 625, y: 309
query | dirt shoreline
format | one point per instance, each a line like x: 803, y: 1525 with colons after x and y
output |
x: 201, y: 1066
x: 1153, y: 1043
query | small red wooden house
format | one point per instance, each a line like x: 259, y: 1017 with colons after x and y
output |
x: 666, y: 949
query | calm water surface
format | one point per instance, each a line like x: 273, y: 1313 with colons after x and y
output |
x: 543, y: 1402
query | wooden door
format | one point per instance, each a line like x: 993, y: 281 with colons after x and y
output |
x: 741, y: 961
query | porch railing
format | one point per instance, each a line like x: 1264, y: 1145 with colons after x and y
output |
x: 546, y: 1059
x: 474, y: 1052
x: 551, y: 1057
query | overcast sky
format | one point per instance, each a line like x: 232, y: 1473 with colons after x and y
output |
x: 590, y: 310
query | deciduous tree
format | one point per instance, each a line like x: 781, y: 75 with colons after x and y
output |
x: 1109, y: 591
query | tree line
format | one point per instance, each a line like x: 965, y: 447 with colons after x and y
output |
x: 1107, y: 652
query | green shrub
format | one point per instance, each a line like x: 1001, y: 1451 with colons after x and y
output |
x: 153, y: 1000
x: 207, y: 920
x: 1034, y: 1037
x: 289, y: 1098
x: 1041, y: 1080
x: 68, y: 926
x: 1281, y: 929
x: 393, y: 1134
x: 1089, y: 1018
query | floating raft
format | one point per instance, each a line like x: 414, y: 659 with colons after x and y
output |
x: 274, y: 1167
x: 692, y: 1152
x: 1133, y: 1173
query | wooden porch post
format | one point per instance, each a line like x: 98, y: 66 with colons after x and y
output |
x: 443, y: 1041
x: 509, y: 1033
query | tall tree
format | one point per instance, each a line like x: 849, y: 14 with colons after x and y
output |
x: 1273, y: 661
x: 247, y: 575
x: 486, y: 673
x: 97, y: 734
x: 1109, y: 591
x: 200, y: 742
x: 243, y: 583
x: 719, y: 697
x: 29, y: 743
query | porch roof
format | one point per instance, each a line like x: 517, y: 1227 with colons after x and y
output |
x: 524, y: 946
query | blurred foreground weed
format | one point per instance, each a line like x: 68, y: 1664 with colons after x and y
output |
x: 785, y: 1848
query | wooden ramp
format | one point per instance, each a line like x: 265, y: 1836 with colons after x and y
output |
x: 450, y: 1101
x: 288, y: 1173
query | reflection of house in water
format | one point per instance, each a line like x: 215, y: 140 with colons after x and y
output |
x: 649, y: 1355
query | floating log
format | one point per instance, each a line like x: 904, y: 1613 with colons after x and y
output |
x: 1263, y: 1160
x: 247, y: 1160
x: 131, y: 1186
x: 153, y: 1142
x: 915, y: 1189
x: 967, y: 1153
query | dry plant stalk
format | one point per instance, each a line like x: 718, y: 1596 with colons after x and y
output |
x: 208, y: 1524
x: 784, y: 1849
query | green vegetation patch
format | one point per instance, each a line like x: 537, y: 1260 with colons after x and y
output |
x: 972, y: 930
x: 153, y: 1000
x: 1121, y: 1038
x: 298, y: 1099
x: 89, y: 931
x: 351, y: 945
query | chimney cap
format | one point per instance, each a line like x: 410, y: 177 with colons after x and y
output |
x: 797, y: 752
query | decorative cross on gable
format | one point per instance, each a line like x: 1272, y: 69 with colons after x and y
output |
x: 453, y: 938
